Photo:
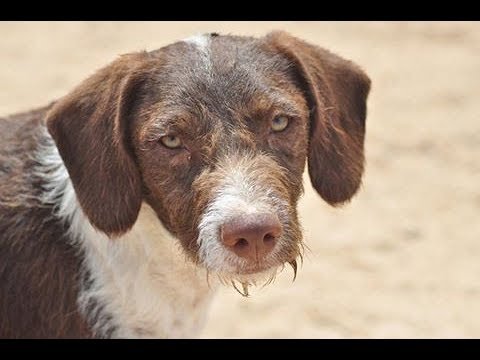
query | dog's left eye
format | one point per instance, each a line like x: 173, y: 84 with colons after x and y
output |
x: 279, y: 123
x: 171, y: 141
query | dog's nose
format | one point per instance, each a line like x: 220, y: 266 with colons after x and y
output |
x: 252, y: 236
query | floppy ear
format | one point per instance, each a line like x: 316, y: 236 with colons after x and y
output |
x: 336, y: 91
x: 90, y: 127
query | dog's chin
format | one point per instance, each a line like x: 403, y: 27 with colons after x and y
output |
x: 246, y: 278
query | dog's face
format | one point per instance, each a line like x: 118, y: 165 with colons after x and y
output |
x: 221, y: 142
x: 214, y: 133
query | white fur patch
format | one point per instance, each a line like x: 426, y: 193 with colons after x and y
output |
x: 202, y: 44
x: 202, y: 41
x: 141, y: 282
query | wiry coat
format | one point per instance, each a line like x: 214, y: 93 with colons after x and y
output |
x: 107, y: 232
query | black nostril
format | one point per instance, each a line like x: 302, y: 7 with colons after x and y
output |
x: 268, y: 237
x: 241, y: 244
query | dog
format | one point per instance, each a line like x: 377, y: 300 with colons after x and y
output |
x: 126, y: 203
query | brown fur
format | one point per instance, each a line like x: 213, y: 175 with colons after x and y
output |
x: 39, y: 269
x: 107, y: 131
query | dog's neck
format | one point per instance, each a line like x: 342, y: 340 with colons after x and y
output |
x: 138, y: 285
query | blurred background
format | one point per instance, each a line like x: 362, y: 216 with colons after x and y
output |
x: 403, y: 258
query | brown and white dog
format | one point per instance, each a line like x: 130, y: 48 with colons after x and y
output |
x: 118, y: 200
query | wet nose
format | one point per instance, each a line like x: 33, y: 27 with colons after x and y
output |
x: 252, y: 236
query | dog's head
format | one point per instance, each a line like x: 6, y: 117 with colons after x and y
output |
x: 213, y: 133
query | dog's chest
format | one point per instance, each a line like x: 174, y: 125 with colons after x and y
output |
x: 143, y: 284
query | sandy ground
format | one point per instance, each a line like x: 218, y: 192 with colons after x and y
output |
x: 402, y: 259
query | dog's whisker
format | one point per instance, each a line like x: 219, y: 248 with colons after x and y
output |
x: 244, y: 286
x: 293, y: 264
x: 223, y: 280
x: 305, y: 249
x: 270, y: 279
x: 208, y: 279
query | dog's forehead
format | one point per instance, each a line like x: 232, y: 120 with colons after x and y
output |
x: 225, y: 54
x: 221, y: 55
x: 227, y: 69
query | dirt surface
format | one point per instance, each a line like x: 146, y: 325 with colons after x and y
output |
x: 403, y: 258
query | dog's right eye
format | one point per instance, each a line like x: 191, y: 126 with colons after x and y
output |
x: 171, y: 141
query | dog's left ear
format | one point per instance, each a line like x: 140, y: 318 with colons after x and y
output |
x: 336, y: 91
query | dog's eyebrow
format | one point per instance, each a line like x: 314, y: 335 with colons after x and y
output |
x: 160, y: 126
x: 284, y: 103
x: 279, y: 99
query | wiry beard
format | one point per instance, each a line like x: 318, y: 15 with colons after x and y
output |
x: 242, y: 282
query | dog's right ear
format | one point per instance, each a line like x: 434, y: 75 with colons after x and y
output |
x: 90, y: 127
